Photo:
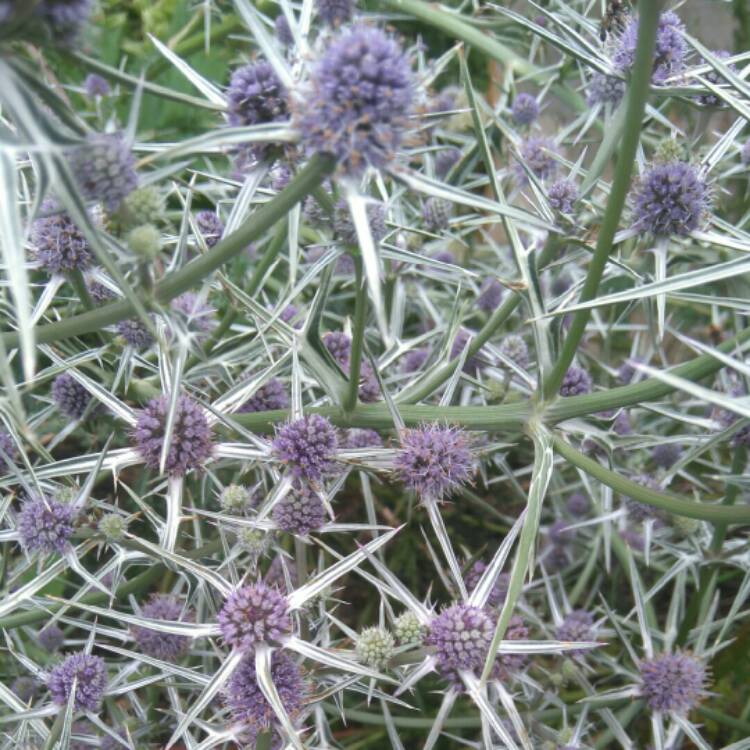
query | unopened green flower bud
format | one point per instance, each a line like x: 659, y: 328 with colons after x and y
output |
x: 142, y: 206
x: 113, y: 526
x: 569, y: 670
x: 408, y: 628
x: 668, y: 151
x: 254, y: 541
x: 375, y: 647
x: 685, y: 526
x: 144, y: 241
x: 235, y: 498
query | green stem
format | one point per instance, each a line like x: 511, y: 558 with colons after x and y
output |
x: 729, y: 721
x: 638, y: 91
x: 77, y: 281
x: 358, y: 334
x: 423, y: 388
x: 173, y: 285
x: 55, y: 731
x: 715, y: 514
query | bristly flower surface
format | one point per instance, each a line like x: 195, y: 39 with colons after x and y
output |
x: 271, y: 395
x: 308, y: 447
x: 59, y: 245
x: 672, y: 682
x: 164, y: 646
x: 84, y: 673
x: 300, y: 512
x: 45, y: 525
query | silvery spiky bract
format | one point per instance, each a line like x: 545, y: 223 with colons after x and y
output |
x: 80, y: 672
x: 434, y: 461
x: 104, y: 168
x: 358, y: 99
x: 191, y: 443
x: 343, y: 226
x: 499, y: 590
x: 253, y: 615
x: 45, y: 525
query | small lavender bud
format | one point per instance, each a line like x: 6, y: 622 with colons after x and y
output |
x: 94, y: 86
x: 578, y: 504
x: 271, y: 395
x: 408, y: 629
x: 88, y: 674
x: 300, y: 512
x: 576, y: 626
x: 559, y: 533
x: 490, y: 295
x: 666, y: 455
x: 59, y: 245
x: 471, y: 363
x: 255, y: 95
x: 605, y: 90
x: 113, y: 526
x: 283, y: 31
x: 576, y: 382
x: 562, y: 196
x: 235, y: 498
x: 144, y: 242
x: 375, y: 647
x: 538, y: 156
x: 525, y: 109
x: 434, y: 461
x: 135, y: 333
x: 515, y: 349
x: 334, y: 12
x: 70, y: 396
x: 25, y: 688
x: 210, y: 226
x: 308, y: 445
x: 414, y: 359
x: 51, y: 638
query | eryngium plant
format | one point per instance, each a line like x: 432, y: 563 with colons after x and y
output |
x: 373, y: 376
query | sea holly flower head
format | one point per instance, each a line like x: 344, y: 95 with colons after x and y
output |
x: 375, y: 647
x: 164, y: 646
x: 300, y: 512
x: 45, y: 525
x: 84, y: 673
x: 308, y: 446
x: 525, y: 109
x: 59, y: 245
x: 672, y: 682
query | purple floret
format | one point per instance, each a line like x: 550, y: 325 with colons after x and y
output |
x: 414, y: 359
x: 89, y: 673
x: 210, y: 227
x: 339, y: 345
x: 559, y: 533
x: 248, y: 705
x: 70, y: 396
x: 95, y: 85
x: 490, y: 296
x: 300, y: 512
x: 562, y: 196
x: 576, y: 382
x: 672, y: 683
x: 199, y: 317
x: 359, y: 99
x: 343, y: 226
x: 59, y: 245
x: 666, y: 455
x: 334, y: 12
x: 576, y: 626
x: 434, y: 461
x: 308, y: 445
x: 356, y: 438
x: 254, y: 614
x: 538, y: 156
x: 283, y: 31
x: 255, y: 95
x: 271, y: 395
x: 135, y: 333
x: 104, y: 167
x: 578, y: 504
x: 161, y: 645
x: 191, y: 443
x: 604, y: 89
x: 525, y: 109
x: 670, y: 199
x: 50, y: 638
x: 462, y: 338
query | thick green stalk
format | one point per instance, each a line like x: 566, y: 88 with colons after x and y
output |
x: 647, y: 390
x: 715, y: 514
x: 638, y: 90
x: 358, y: 334
x: 317, y: 169
x: 424, y: 388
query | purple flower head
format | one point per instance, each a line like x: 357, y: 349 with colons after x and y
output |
x: 578, y: 504
x: 672, y: 682
x: 516, y: 631
x: 110, y: 743
x: 714, y: 77
x: 604, y: 89
x: 308, y: 445
x: 471, y: 364
x: 104, y: 168
x: 254, y: 614
x: 70, y: 397
x: 339, y: 345
x: 576, y: 626
x: 562, y: 196
x: 436, y: 214
x: 633, y: 539
x: 300, y: 512
x: 461, y: 636
x: 277, y: 573
x: 334, y: 12
x: 100, y: 293
x: 490, y: 295
x: 356, y: 438
x: 271, y: 395
x: 164, y: 646
x: 255, y: 95
x: 288, y: 314
x: 642, y: 511
x: 343, y: 226
x: 627, y: 372
x: 621, y: 424
x: 515, y: 349
x: 135, y: 333
x: 25, y: 688
x: 283, y: 31
x: 559, y: 533
x: 670, y: 199
x: 434, y: 461
x: 191, y: 443
x: 525, y: 109
x: 50, y: 638
x: 199, y: 317
x: 538, y: 156
x: 64, y: 18
x: 359, y: 99
x: 669, y: 53
x: 445, y: 160
x: 7, y: 450
x: 94, y: 85
x: 59, y: 245
x: 248, y: 705
x: 210, y: 227
x: 666, y: 455
x: 499, y: 590
x: 556, y: 557
x: 576, y: 382
x: 414, y: 359
x: 444, y: 256
x: 89, y: 673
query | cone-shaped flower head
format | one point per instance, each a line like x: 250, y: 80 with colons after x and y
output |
x: 254, y: 614
x: 300, y: 512
x: 160, y: 645
x: 672, y: 682
x: 104, y: 168
x: 271, y: 395
x: 255, y: 95
x: 375, y: 647
x: 59, y: 245
x: 576, y: 382
x: 89, y: 675
x: 45, y: 525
